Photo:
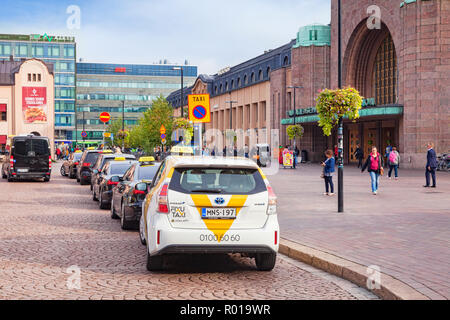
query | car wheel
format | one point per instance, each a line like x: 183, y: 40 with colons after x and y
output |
x: 102, y: 205
x: 113, y: 212
x: 10, y: 179
x: 141, y: 231
x: 46, y: 179
x: 126, y: 225
x: 4, y: 176
x: 78, y: 180
x: 62, y: 171
x: 265, y: 261
x: 154, y: 263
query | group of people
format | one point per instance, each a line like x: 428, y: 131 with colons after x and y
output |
x: 374, y: 165
x: 63, y: 151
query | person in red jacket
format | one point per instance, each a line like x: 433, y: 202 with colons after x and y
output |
x: 374, y: 163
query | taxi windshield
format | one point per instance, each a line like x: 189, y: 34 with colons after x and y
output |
x: 119, y: 168
x: 217, y: 180
x: 147, y: 172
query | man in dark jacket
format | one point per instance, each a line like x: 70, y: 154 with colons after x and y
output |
x: 431, y: 166
x: 359, y: 154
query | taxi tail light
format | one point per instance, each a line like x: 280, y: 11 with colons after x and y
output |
x: 272, y: 205
x: 276, y: 238
x: 49, y: 162
x: 86, y: 164
x: 158, y: 237
x: 76, y: 163
x: 11, y: 162
x: 136, y: 192
x: 112, y: 183
x: 162, y: 199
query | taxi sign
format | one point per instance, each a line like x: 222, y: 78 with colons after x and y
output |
x: 107, y: 134
x: 146, y: 159
x: 119, y: 159
x: 199, y: 110
x: 162, y: 130
x: 107, y: 151
x: 178, y: 149
x: 105, y: 117
x: 91, y: 148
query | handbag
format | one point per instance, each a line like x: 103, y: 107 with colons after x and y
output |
x: 381, y: 171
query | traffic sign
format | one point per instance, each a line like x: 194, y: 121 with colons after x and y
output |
x: 199, y: 109
x: 105, y: 117
x: 107, y: 134
x: 163, y: 136
x: 84, y: 134
x: 163, y: 141
x: 162, y: 130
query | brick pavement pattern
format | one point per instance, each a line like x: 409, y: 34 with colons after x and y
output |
x: 48, y: 227
x: 405, y: 229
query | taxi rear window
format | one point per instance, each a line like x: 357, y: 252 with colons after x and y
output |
x: 217, y: 180
x: 147, y: 172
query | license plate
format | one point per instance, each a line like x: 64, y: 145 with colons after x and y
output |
x: 218, y: 213
x: 22, y: 170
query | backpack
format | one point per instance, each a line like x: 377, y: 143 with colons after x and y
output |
x: 392, y: 157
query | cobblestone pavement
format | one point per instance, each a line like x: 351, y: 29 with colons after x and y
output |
x: 48, y: 227
x: 405, y: 229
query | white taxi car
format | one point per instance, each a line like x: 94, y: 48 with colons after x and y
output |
x: 210, y: 205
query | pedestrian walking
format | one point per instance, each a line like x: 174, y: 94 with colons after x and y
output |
x: 431, y: 166
x: 393, y: 161
x: 374, y: 165
x: 328, y: 172
x: 58, y: 153
x: 359, y: 155
x: 246, y: 150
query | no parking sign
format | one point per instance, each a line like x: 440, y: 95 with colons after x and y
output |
x: 199, y: 111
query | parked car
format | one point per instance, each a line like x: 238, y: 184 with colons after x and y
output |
x: 210, y: 205
x: 105, y: 157
x: 69, y: 166
x: 29, y: 157
x: 84, y: 168
x: 110, y: 176
x: 129, y: 194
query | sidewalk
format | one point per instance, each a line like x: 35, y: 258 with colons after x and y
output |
x: 405, y: 229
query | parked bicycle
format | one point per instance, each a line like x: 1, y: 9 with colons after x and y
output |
x: 444, y: 162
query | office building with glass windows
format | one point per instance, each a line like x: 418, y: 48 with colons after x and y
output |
x: 60, y: 51
x: 122, y: 89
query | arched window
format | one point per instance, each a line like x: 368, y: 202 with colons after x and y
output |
x: 260, y: 75
x: 232, y: 84
x: 245, y: 80
x: 226, y: 86
x: 220, y: 90
x: 385, y: 73
x: 253, y: 77
x: 239, y: 82
x: 268, y: 72
x: 215, y: 89
x: 286, y: 61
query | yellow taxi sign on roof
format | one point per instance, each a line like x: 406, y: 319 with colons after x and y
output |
x: 178, y: 149
x: 119, y: 159
x: 107, y: 151
x: 146, y: 159
x: 91, y: 148
x: 78, y: 151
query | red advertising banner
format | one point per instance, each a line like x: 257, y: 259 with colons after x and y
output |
x: 34, y: 104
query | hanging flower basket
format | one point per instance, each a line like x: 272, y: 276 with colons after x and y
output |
x: 295, y: 131
x: 335, y: 104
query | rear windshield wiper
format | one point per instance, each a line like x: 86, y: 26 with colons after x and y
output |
x: 208, y: 190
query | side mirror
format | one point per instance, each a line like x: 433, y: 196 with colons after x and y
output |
x: 142, y: 186
x: 115, y: 179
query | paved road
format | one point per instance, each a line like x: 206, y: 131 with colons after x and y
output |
x: 405, y: 229
x: 48, y: 227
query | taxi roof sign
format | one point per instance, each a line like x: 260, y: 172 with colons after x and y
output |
x: 146, y: 159
x: 90, y: 148
x: 178, y: 149
x: 107, y: 151
x: 119, y: 159
x: 199, y: 108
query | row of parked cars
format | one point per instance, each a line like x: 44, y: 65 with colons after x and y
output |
x: 184, y: 204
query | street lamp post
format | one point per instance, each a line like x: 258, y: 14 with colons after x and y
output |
x: 123, y: 125
x: 340, y: 127
x: 294, y: 87
x: 182, y: 93
x: 231, y: 115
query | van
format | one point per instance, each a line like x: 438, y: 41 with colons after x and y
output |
x: 28, y: 157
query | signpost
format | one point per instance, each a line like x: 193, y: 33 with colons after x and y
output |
x: 104, y: 117
x: 84, y: 134
x: 199, y: 113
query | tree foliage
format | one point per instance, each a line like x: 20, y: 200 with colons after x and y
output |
x: 335, y: 104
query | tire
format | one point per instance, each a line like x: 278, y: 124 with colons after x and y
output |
x: 113, y: 212
x: 154, y: 263
x: 10, y: 179
x: 46, y: 179
x: 102, y: 205
x: 141, y: 231
x: 63, y: 171
x: 4, y: 176
x: 78, y: 180
x: 82, y: 182
x: 125, y: 225
x: 265, y: 261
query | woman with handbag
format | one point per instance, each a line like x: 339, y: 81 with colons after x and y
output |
x: 328, y: 171
x: 374, y: 163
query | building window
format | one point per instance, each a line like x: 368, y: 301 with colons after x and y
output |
x: 22, y: 50
x: 2, y: 112
x: 245, y: 80
x: 239, y: 82
x: 29, y: 77
x: 385, y: 71
x: 34, y: 77
x: 226, y: 86
x: 232, y: 84
x: 313, y: 35
x: 253, y: 77
x: 268, y: 72
x: 39, y: 77
x: 260, y: 75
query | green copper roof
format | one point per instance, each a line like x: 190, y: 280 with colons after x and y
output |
x: 313, y: 35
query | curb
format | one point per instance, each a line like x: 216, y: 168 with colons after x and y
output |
x: 390, y: 288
